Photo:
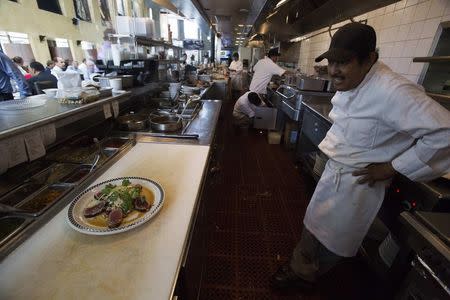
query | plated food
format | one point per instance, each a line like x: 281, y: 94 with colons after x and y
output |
x: 115, y: 205
x: 114, y: 202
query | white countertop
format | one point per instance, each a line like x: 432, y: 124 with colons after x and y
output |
x: 59, y: 263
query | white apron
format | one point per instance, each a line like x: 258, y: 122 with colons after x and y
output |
x: 341, y: 211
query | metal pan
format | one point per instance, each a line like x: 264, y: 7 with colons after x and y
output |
x: 166, y: 123
x: 132, y: 122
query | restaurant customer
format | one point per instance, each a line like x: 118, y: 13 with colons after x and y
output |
x: 19, y: 63
x: 383, y: 124
x: 37, y: 70
x: 50, y: 65
x: 8, y: 72
x: 59, y: 67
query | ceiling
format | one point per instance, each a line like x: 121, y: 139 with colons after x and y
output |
x: 271, y: 20
x: 233, y: 19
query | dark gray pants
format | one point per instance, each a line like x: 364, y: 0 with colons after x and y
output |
x: 311, y: 259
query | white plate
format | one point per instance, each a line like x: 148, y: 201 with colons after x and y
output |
x: 27, y: 103
x: 78, y: 222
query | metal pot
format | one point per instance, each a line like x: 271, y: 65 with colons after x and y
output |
x: 132, y: 122
x: 165, y: 123
x: 127, y: 81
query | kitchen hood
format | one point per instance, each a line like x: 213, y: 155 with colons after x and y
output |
x: 298, y: 17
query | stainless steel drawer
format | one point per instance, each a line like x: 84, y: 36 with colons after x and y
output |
x: 314, y: 127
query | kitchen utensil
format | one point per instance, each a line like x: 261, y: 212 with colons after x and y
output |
x: 7, y: 211
x: 94, y: 163
x: 166, y: 123
x: 77, y: 221
x: 132, y: 122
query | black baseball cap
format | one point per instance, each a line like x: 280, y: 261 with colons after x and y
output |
x: 273, y: 52
x: 353, y: 39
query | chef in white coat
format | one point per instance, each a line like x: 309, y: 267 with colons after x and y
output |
x: 236, y: 69
x: 383, y: 124
x: 264, y: 70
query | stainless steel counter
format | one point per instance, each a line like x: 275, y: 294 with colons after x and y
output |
x: 320, y: 107
x: 15, y: 122
x: 204, y: 125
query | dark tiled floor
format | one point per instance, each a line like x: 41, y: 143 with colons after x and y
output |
x: 253, y: 211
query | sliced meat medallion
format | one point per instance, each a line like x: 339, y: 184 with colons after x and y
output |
x: 95, y: 210
x: 115, y: 217
x: 141, y: 204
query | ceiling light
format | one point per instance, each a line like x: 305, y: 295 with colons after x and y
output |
x: 281, y: 3
x: 243, y: 10
x: 287, y: 19
x: 239, y: 33
x: 241, y: 25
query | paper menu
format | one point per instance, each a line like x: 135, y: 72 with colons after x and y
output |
x: 107, y: 111
x: 17, y: 152
x: 115, y: 107
x: 48, y: 134
x: 34, y: 144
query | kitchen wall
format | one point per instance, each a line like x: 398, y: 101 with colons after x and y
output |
x: 26, y: 17
x: 405, y: 29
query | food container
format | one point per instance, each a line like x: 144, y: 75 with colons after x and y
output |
x: 10, y: 226
x: 45, y: 198
x: 20, y: 193
x: 166, y: 123
x: 78, y: 155
x: 127, y: 81
x: 115, y: 142
x: 54, y: 173
x: 132, y: 122
x: 77, y: 175
x: 105, y: 92
x: 273, y: 137
x: 116, y: 84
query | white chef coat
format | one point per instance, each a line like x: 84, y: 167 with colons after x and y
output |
x: 262, y: 73
x: 236, y: 76
x: 385, y: 119
x: 236, y: 66
x: 244, y: 106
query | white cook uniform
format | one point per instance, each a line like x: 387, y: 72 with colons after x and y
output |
x: 385, y: 119
x: 236, y: 76
x: 262, y: 73
x: 244, y: 106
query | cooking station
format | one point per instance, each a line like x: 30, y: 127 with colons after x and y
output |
x: 89, y: 146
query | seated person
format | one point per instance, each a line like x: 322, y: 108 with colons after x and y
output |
x: 38, y: 72
x: 244, y: 109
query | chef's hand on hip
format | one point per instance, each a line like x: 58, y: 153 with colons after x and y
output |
x: 375, y: 172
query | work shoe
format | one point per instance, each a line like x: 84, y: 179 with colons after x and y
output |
x: 286, y: 278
